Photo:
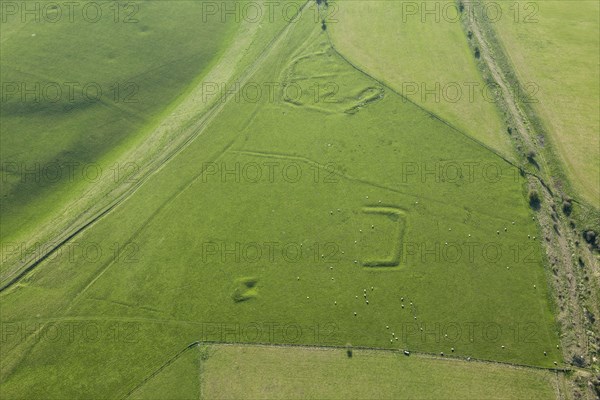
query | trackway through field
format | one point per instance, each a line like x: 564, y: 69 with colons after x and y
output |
x: 558, y: 249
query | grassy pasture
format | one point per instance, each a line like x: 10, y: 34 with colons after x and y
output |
x: 94, y: 88
x: 355, y: 188
x: 557, y: 50
x: 178, y: 380
x: 425, y: 57
x: 235, y: 372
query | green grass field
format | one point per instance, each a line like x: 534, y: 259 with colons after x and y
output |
x: 68, y: 112
x: 357, y: 214
x: 235, y: 372
x: 554, y: 52
x: 291, y: 195
x: 178, y: 380
x: 424, y: 56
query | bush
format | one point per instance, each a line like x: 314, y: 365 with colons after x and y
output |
x: 349, y: 350
x: 534, y: 199
x: 567, y: 208
x: 590, y: 237
x: 578, y: 361
x: 477, y: 53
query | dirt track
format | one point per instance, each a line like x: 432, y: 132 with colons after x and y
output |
x: 557, y: 234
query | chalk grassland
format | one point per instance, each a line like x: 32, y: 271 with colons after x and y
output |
x: 234, y: 372
x: 179, y: 125
x: 359, y: 225
x: 76, y: 94
x: 179, y: 379
x: 558, y: 50
x: 413, y: 52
